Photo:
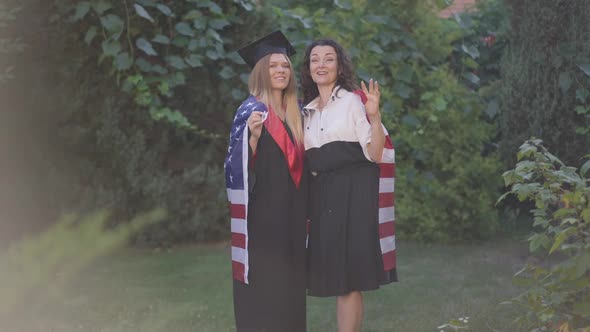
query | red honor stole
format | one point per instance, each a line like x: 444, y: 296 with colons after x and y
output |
x: 293, y: 153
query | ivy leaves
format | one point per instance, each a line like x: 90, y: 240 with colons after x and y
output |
x: 149, y: 45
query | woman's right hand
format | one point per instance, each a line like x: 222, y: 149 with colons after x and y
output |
x: 255, y: 124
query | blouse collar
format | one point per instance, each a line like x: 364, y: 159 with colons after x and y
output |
x: 313, y: 105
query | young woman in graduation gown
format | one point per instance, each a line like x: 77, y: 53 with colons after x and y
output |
x: 351, y: 238
x: 267, y: 188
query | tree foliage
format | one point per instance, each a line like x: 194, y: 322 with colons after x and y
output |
x: 86, y: 138
x: 445, y: 186
x: 127, y: 105
x: 546, y: 82
x: 9, y: 44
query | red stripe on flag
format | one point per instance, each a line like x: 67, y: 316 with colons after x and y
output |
x: 389, y: 261
x: 238, y: 240
x: 386, y: 229
x: 388, y: 143
x: 238, y: 211
x: 386, y: 200
x: 387, y: 170
x: 238, y: 271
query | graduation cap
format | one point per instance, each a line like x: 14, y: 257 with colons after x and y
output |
x: 275, y: 42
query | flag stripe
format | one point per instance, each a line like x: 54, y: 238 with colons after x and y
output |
x: 239, y: 226
x: 386, y: 229
x: 389, y: 260
x: 236, y: 196
x: 386, y: 185
x: 387, y: 170
x: 386, y: 200
x: 238, y: 271
x: 388, y: 142
x: 387, y: 244
x: 388, y: 156
x: 239, y: 254
x: 386, y: 214
x: 238, y: 240
x: 238, y: 211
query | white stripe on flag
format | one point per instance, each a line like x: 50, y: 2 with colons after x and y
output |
x: 245, y: 163
x: 238, y: 226
x: 236, y: 196
x: 386, y: 214
x: 388, y: 156
x: 386, y: 185
x: 387, y: 244
x: 239, y: 255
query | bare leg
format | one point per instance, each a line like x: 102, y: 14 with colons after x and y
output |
x: 349, y: 312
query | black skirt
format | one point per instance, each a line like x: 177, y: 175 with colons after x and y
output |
x: 344, y: 253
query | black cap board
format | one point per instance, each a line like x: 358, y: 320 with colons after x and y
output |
x: 275, y: 42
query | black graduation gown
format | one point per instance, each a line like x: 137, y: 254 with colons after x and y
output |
x: 275, y: 298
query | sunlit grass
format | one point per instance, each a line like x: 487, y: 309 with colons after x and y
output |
x: 38, y: 271
x: 189, y: 289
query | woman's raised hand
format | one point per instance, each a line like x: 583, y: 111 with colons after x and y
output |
x: 373, y: 94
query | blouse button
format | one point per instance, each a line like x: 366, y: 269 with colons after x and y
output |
x: 322, y: 129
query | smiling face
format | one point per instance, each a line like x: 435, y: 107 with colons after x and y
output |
x: 323, y: 65
x: 279, y: 71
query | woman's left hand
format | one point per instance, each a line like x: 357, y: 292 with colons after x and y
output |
x: 373, y: 94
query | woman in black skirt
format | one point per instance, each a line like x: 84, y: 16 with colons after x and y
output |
x: 344, y: 141
x: 267, y: 189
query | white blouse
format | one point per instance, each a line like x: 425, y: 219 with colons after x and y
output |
x: 342, y: 119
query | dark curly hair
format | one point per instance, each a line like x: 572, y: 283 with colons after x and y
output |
x: 345, y: 78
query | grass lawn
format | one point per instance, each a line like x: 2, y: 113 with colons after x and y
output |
x: 189, y: 289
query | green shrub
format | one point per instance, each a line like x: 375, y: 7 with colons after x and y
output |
x: 557, y: 281
x: 95, y: 128
x: 445, y: 186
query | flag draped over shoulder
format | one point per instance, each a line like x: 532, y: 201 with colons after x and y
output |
x: 386, y: 200
x: 236, y: 180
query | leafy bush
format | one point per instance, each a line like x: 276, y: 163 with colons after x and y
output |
x: 445, y: 186
x: 126, y: 130
x: 558, y: 280
x: 129, y: 105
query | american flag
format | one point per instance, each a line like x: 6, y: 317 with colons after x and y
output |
x: 236, y: 180
x: 387, y: 205
x: 386, y: 200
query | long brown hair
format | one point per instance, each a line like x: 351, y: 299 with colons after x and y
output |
x: 260, y: 86
x: 345, y: 78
